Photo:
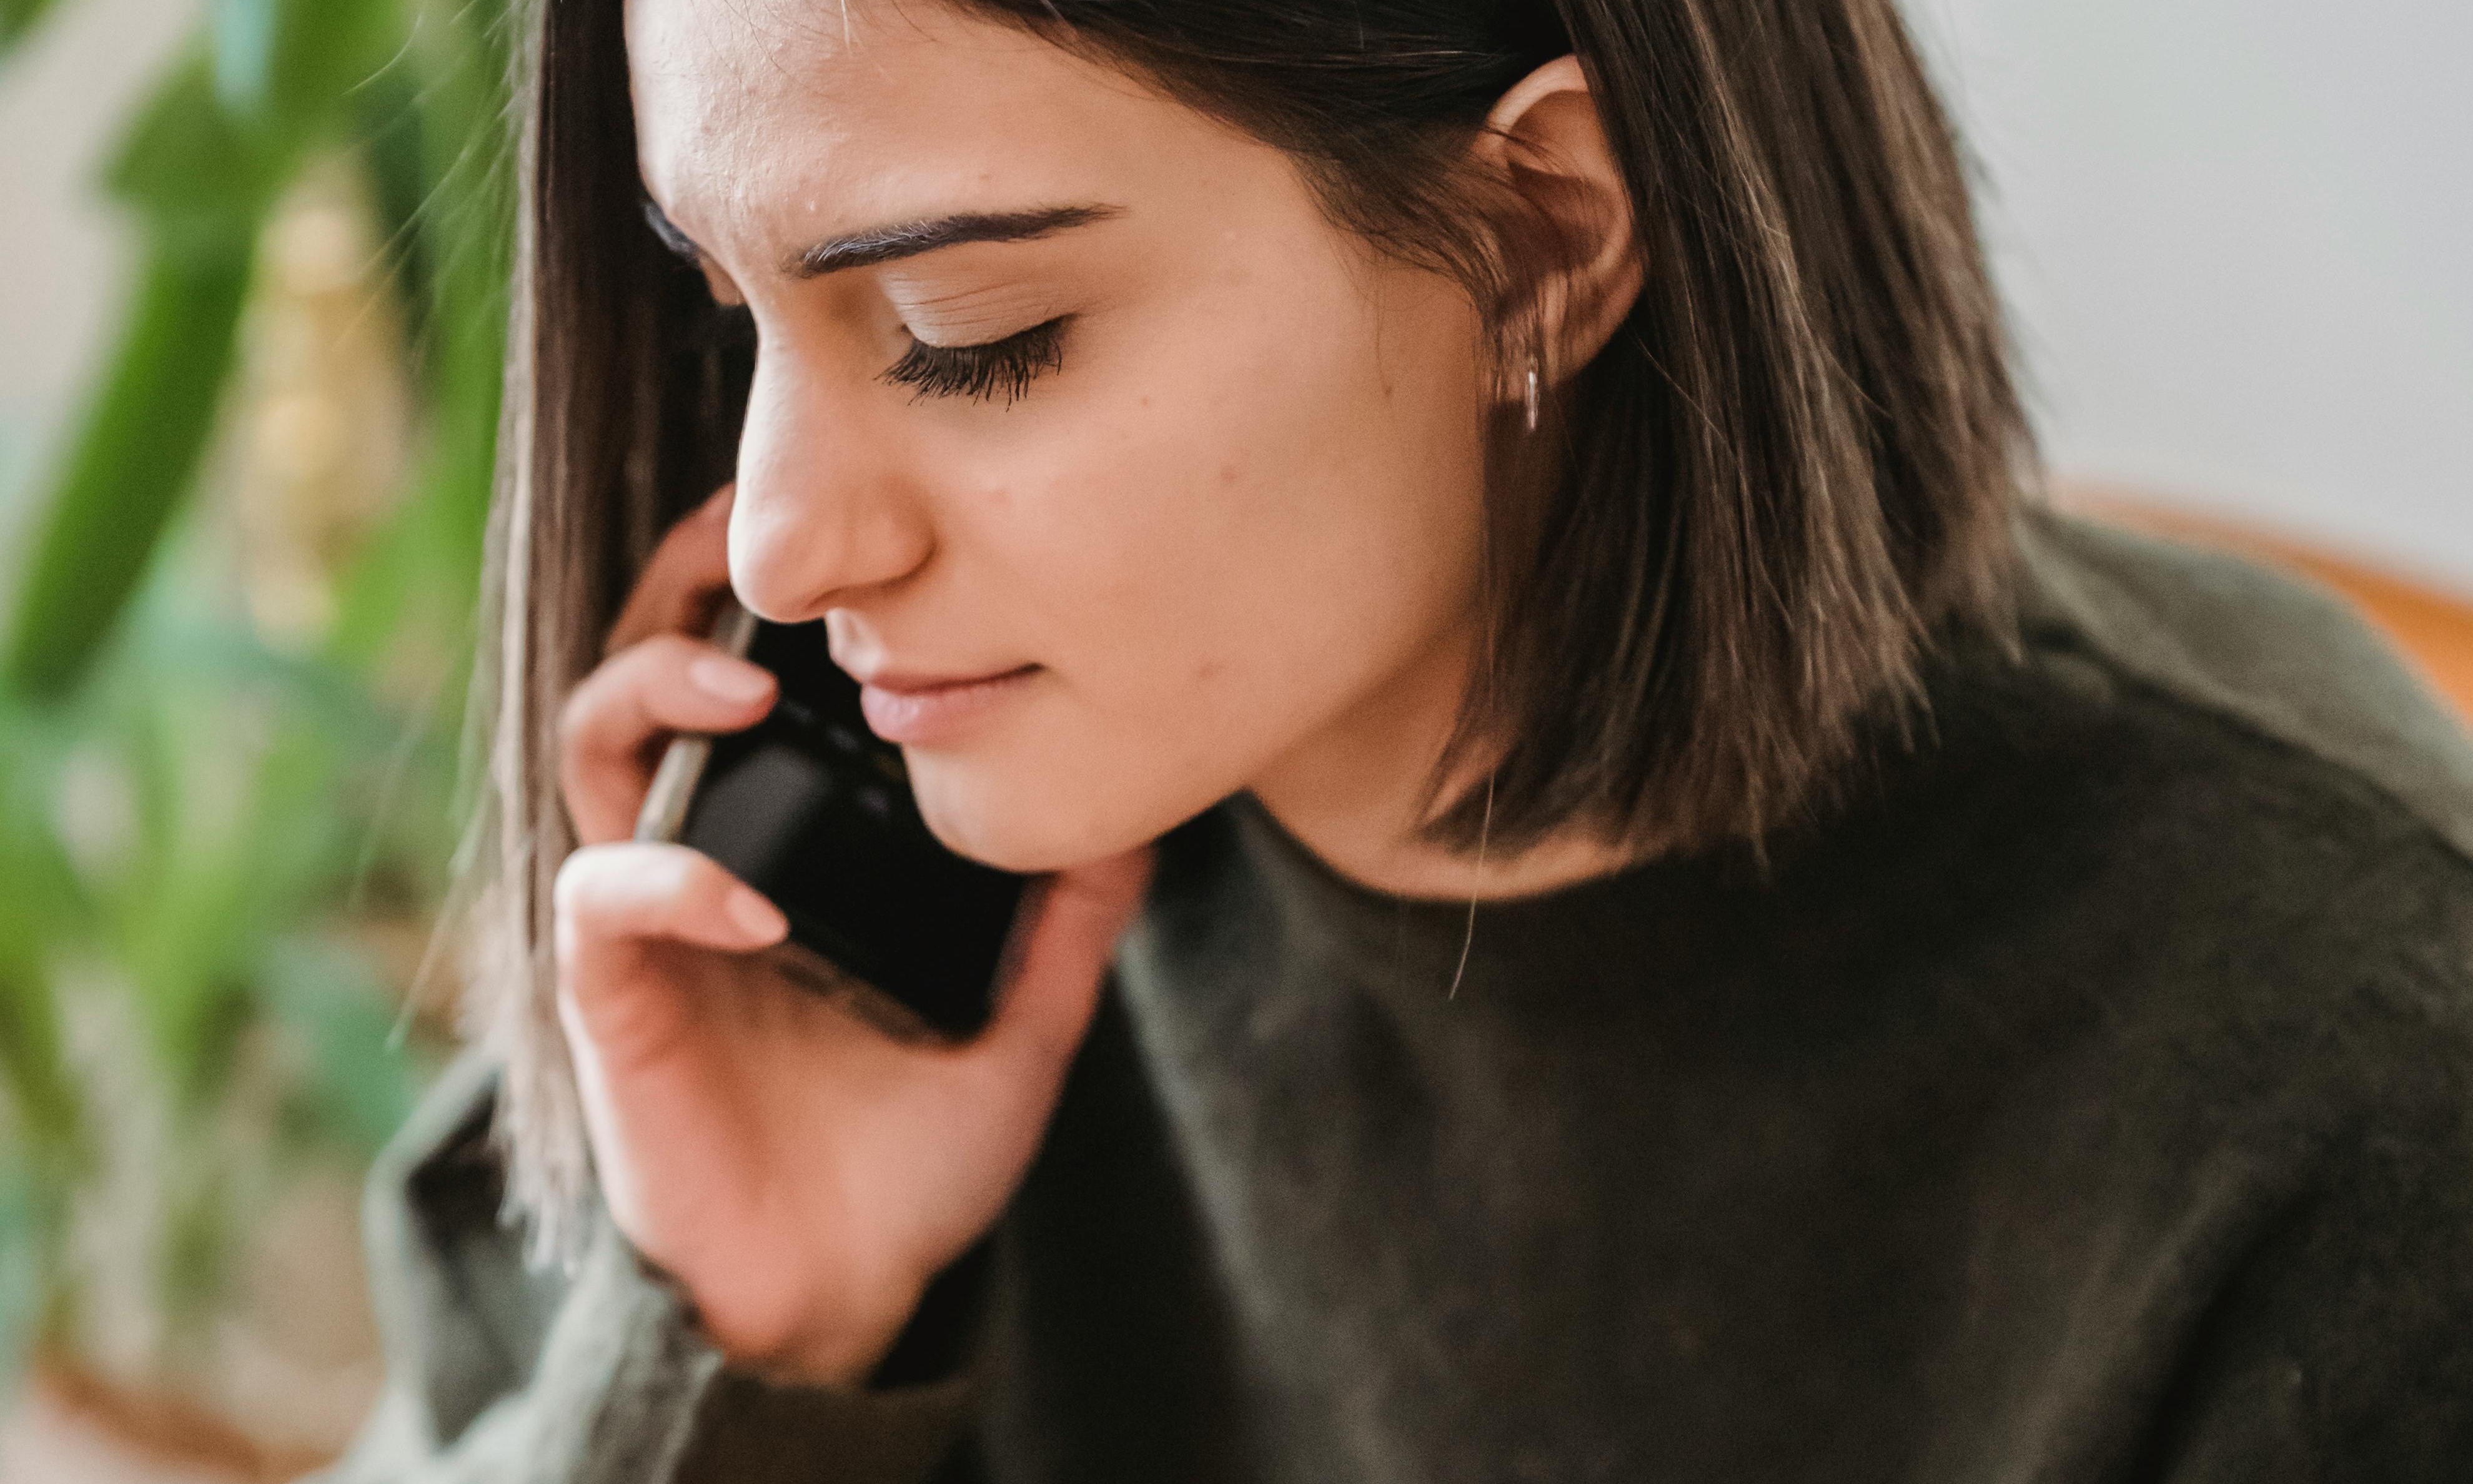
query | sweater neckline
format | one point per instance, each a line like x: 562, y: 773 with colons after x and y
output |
x: 1280, y: 856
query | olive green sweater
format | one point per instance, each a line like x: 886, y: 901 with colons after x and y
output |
x: 2090, y: 1098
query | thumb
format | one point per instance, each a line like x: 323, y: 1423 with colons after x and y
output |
x: 1069, y: 931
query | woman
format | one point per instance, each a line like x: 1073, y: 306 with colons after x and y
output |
x: 1617, y: 902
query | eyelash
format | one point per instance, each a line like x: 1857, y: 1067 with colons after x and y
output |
x: 1008, y: 366
x: 983, y: 372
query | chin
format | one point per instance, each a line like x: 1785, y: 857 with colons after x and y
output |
x: 1003, y: 823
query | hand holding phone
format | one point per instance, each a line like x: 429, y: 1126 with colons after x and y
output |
x: 802, y: 1173
x: 812, y: 811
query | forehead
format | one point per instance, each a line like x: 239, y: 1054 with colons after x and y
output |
x: 770, y: 120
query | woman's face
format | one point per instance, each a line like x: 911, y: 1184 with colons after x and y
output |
x: 1218, y: 524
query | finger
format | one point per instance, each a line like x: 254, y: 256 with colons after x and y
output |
x: 618, y: 897
x: 1072, y: 920
x: 614, y: 723
x: 680, y: 587
x: 614, y: 907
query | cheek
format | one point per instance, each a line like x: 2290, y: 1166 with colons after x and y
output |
x: 1305, y: 502
x: 1216, y: 563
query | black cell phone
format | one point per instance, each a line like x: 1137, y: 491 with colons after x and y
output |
x: 814, y: 810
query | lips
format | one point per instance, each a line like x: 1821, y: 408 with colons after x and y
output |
x: 922, y: 711
x: 907, y: 684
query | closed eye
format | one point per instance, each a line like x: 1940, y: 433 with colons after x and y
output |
x: 997, y: 368
x: 1004, y: 366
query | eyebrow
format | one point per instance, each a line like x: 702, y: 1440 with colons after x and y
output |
x: 876, y: 245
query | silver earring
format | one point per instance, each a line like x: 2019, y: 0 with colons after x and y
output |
x: 1532, y: 397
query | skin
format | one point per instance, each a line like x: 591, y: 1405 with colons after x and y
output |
x: 1235, y: 532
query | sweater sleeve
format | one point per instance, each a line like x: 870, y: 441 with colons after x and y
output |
x: 2342, y: 1351
x: 497, y: 1372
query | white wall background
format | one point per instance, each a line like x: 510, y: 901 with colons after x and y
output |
x: 2239, y: 238
x: 2238, y: 233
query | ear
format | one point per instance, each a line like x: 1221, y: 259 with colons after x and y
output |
x: 1545, y: 140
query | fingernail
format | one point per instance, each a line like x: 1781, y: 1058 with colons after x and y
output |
x: 758, y: 917
x: 728, y: 678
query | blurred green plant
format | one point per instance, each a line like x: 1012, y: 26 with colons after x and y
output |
x: 201, y: 820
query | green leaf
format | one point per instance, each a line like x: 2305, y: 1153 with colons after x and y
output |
x: 250, y: 839
x: 227, y: 128
x: 187, y: 158
x: 34, y: 1221
x: 390, y: 121
x: 361, y: 1080
x: 17, y: 18
x: 49, y: 1114
x: 132, y: 460
x: 40, y: 907
x: 196, y: 1243
x: 262, y: 790
x: 42, y: 897
x: 295, y: 63
x: 446, y: 196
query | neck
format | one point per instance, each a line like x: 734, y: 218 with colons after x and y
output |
x: 1349, y: 794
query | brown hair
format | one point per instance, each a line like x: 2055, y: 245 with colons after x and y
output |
x: 1789, y: 469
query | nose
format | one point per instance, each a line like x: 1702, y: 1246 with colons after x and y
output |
x: 825, y: 505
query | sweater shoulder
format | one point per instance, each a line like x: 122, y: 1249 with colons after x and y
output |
x: 2254, y: 649
x: 2217, y: 812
